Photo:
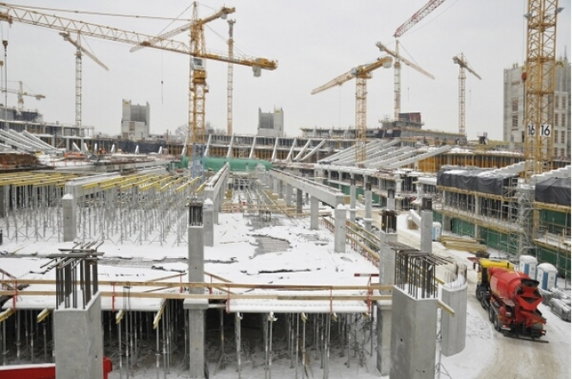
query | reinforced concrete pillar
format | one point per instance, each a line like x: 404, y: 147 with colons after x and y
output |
x: 384, y: 308
x: 413, y: 336
x: 4, y: 190
x: 314, y: 212
x: 426, y: 226
x: 352, y: 199
x: 69, y: 208
x: 196, y: 307
x: 477, y: 213
x: 288, y: 196
x: 299, y: 201
x: 78, y: 341
x: 367, y: 201
x: 453, y: 328
x: 208, y: 219
x: 340, y: 229
x: 390, y: 199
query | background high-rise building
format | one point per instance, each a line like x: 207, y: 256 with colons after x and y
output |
x: 135, y: 121
x: 513, y: 122
x: 271, y: 124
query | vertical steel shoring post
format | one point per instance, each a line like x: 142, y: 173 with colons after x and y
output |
x: 271, y: 320
x: 290, y: 339
x: 45, y: 341
x: 304, y: 319
x: 31, y: 331
x: 128, y: 343
x: 297, y: 341
x: 119, y: 345
x: 348, y: 337
x: 18, y: 343
x: 157, y: 352
x: 237, y: 318
x: 186, y: 335
x: 164, y: 347
x: 327, y: 347
x: 321, y: 344
x: 265, y: 333
x: 4, y: 343
x: 371, y: 329
x: 221, y: 338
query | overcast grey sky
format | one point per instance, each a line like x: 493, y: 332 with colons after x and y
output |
x: 313, y: 41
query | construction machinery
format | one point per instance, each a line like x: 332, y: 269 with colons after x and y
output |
x: 361, y: 74
x: 198, y: 75
x: 463, y: 65
x: 78, y: 72
x: 539, y: 83
x: 197, y: 85
x: 21, y: 93
x: 397, y: 74
x: 229, y: 78
x: 511, y: 299
x: 429, y: 7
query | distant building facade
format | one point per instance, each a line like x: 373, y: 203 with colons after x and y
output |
x: 271, y: 124
x: 135, y: 121
x: 513, y: 108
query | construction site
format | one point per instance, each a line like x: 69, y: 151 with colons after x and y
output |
x: 394, y: 251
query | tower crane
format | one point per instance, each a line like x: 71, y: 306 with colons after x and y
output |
x: 463, y: 65
x: 78, y: 72
x: 12, y: 13
x: 539, y: 85
x: 21, y: 93
x: 429, y: 7
x: 361, y: 74
x: 197, y: 75
x: 229, y: 78
x: 397, y: 74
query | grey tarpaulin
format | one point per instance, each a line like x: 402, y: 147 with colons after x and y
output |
x: 479, y: 180
x: 554, y: 191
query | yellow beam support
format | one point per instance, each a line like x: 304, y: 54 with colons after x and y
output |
x: 6, y: 314
x: 158, y: 315
x: 42, y: 315
x: 119, y: 316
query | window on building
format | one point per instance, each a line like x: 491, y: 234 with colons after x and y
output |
x: 556, y: 119
x: 555, y: 101
x: 563, y: 101
x: 562, y: 152
x: 564, y: 120
x: 515, y: 105
x: 555, y: 151
x: 514, y: 122
x: 563, y: 137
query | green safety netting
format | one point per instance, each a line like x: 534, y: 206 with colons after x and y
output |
x: 236, y: 164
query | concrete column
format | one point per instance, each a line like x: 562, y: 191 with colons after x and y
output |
x: 288, y: 196
x: 477, y: 213
x: 413, y: 335
x: 69, y: 212
x: 368, y: 202
x: 446, y: 223
x: 426, y: 231
x: 390, y: 200
x: 196, y: 307
x: 78, y: 341
x: 453, y: 328
x: 340, y: 229
x: 299, y: 201
x: 386, y: 277
x: 353, y: 199
x: 208, y: 222
x: 314, y: 212
x: 4, y: 190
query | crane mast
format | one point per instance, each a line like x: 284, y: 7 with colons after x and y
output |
x: 414, y: 19
x: 229, y: 78
x: 196, y: 50
x: 361, y: 74
x: 397, y: 73
x: 539, y: 85
x: 463, y: 65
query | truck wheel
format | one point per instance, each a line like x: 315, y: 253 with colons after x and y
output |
x: 484, y: 302
x: 496, y: 323
x: 491, y: 314
x: 479, y: 294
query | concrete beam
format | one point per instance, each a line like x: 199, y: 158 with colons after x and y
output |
x: 323, y: 193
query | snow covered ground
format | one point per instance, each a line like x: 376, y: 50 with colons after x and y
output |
x: 295, y: 254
